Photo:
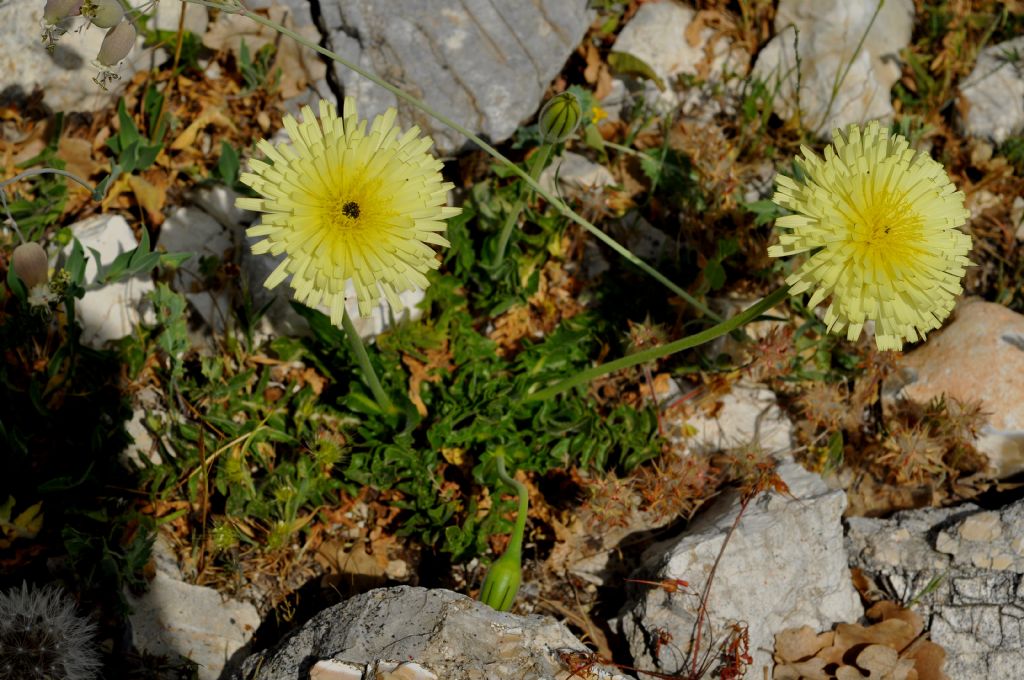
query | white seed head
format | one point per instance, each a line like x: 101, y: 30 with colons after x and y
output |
x: 117, y: 44
x: 29, y: 262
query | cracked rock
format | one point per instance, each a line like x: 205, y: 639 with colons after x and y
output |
x: 446, y: 634
x: 485, y: 64
x: 964, y: 567
x: 784, y: 567
x: 992, y: 98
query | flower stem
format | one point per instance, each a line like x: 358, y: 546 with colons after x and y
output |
x: 490, y: 150
x: 356, y: 342
x: 694, y: 340
x: 515, y: 543
x: 537, y: 163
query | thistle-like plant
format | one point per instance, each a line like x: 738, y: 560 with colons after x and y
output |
x: 42, y: 637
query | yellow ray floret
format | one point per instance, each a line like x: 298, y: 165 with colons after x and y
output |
x: 343, y: 203
x: 880, y: 222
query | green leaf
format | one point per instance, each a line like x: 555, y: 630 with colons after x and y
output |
x: 629, y: 65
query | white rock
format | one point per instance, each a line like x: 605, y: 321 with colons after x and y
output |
x: 191, y: 230
x: 1017, y: 217
x: 657, y: 36
x: 575, y: 175
x: 165, y: 16
x: 826, y: 33
x: 66, y: 76
x: 748, y: 415
x: 218, y: 202
x: 176, y: 618
x: 112, y: 311
x: 785, y: 566
x: 992, y: 97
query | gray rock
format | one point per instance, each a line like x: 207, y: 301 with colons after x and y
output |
x: 749, y: 416
x: 992, y: 97
x: 933, y: 556
x: 785, y: 566
x: 485, y: 64
x: 448, y: 634
x: 824, y: 34
x: 66, y: 76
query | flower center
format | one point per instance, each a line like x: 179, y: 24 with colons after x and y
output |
x: 350, y: 209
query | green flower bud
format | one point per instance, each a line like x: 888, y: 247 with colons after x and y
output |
x: 55, y: 10
x: 502, y: 582
x: 559, y: 118
x: 103, y: 13
x: 118, y: 42
x: 30, y: 264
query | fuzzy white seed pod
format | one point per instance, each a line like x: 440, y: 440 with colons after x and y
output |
x: 29, y: 263
x: 55, y: 10
x: 41, y: 636
x: 118, y: 42
x: 103, y: 13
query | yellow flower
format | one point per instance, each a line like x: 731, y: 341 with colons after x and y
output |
x: 881, y: 220
x: 344, y: 204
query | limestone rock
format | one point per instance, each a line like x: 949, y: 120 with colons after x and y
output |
x: 573, y: 175
x: 485, y: 64
x: 659, y: 34
x: 824, y: 33
x: 932, y: 555
x: 784, y: 567
x: 175, y: 618
x: 992, y: 97
x: 979, y: 356
x: 65, y: 77
x: 749, y: 415
x: 112, y: 311
x: 445, y: 633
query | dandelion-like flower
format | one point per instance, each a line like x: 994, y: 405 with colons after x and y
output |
x: 346, y: 204
x: 883, y: 222
x: 42, y: 637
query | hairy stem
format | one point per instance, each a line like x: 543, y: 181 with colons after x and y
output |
x: 363, y: 359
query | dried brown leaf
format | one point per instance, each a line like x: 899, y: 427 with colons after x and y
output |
x: 798, y: 644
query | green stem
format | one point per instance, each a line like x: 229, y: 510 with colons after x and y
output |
x: 537, y: 163
x: 490, y: 150
x: 694, y: 340
x: 356, y: 342
x: 515, y: 543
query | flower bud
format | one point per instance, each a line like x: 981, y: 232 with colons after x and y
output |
x: 30, y: 264
x: 103, y: 13
x: 118, y: 42
x: 559, y: 118
x: 55, y: 10
x: 502, y: 582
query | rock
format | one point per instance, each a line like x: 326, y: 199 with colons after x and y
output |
x: 992, y: 98
x: 146, y: 404
x: 828, y: 32
x: 175, y: 618
x: 748, y: 416
x: 573, y: 176
x: 66, y: 76
x: 113, y: 310
x: 978, y: 357
x: 485, y: 64
x: 165, y: 17
x: 191, y: 230
x: 659, y: 34
x: 785, y: 566
x: 1017, y: 217
x: 931, y: 556
x: 445, y: 633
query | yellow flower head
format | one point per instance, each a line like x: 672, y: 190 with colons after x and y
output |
x: 344, y: 204
x: 881, y: 220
